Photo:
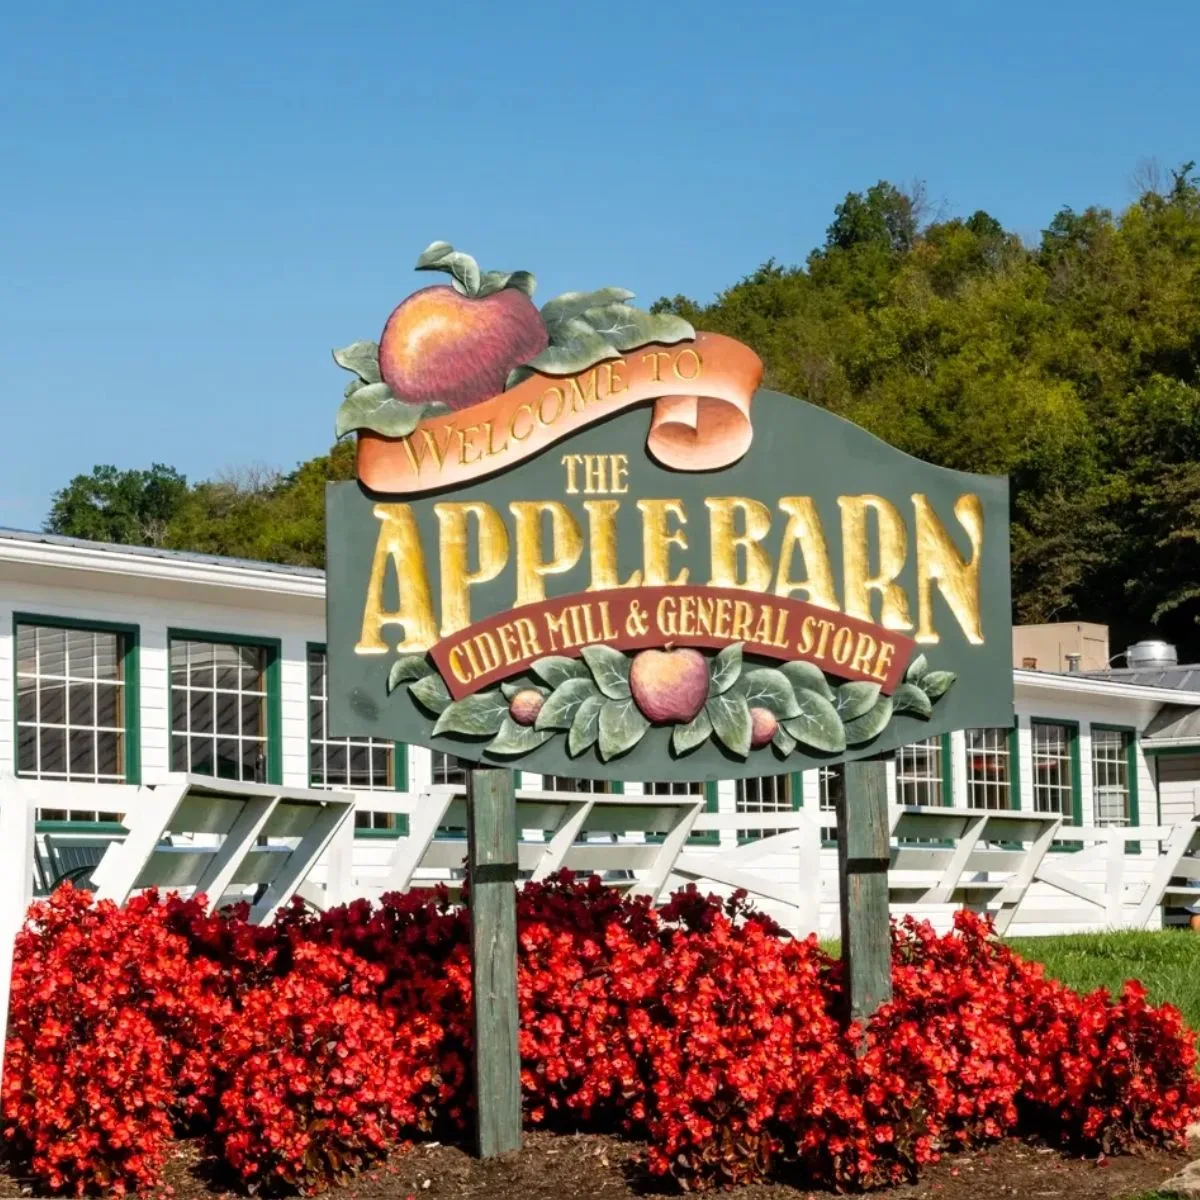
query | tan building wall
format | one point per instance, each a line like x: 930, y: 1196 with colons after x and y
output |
x: 1046, y: 647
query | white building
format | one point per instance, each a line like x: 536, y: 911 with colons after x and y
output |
x: 121, y: 664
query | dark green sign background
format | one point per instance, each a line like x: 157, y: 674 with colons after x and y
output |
x: 797, y: 450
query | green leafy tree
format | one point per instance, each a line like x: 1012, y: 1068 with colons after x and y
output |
x: 128, y: 507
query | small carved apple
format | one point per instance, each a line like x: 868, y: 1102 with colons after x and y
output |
x: 525, y: 706
x: 455, y: 345
x: 669, y: 686
x: 762, y: 726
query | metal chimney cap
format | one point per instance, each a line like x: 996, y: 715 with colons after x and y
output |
x: 1151, y: 653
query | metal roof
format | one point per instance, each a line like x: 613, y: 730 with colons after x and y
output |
x: 1183, y: 678
x: 1174, y: 724
x: 189, y: 556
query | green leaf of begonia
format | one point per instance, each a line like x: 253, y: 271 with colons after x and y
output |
x: 725, y: 669
x: 622, y: 726
x: 871, y: 724
x: 431, y: 692
x: 585, y: 729
x: 406, y: 667
x: 479, y: 715
x: 817, y: 724
x: 908, y: 698
x: 695, y: 733
x: 807, y: 675
x: 854, y: 699
x: 563, y: 703
x: 730, y: 716
x: 766, y: 687
x: 517, y: 739
x: 610, y: 669
x: 362, y: 358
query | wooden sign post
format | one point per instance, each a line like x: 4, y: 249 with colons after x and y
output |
x: 583, y: 542
x: 492, y: 876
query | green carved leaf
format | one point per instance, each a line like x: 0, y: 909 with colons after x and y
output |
x: 563, y: 703
x: 575, y: 346
x: 575, y: 304
x: 937, y: 683
x: 556, y: 669
x: 725, y: 669
x: 497, y: 281
x: 783, y: 741
x: 406, y: 667
x: 362, y: 358
x: 585, y: 729
x: 817, y: 724
x: 441, y: 256
x: 807, y: 675
x: 479, y: 715
x: 871, y: 724
x: 511, y: 688
x: 431, y: 692
x: 730, y: 716
x: 627, y: 328
x: 765, y: 687
x: 909, y: 698
x: 375, y: 407
x: 695, y: 733
x: 610, y: 669
x: 854, y: 699
x: 517, y: 739
x: 622, y: 726
x: 916, y: 669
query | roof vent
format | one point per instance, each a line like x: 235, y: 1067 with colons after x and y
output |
x: 1073, y: 661
x: 1151, y: 654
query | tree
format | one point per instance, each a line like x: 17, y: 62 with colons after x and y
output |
x: 132, y: 508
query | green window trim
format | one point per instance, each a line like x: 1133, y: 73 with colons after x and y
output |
x: 1131, y: 767
x: 399, y: 754
x: 709, y: 837
x: 274, y: 649
x: 947, y: 771
x: 131, y: 678
x: 1014, y: 765
x: 1072, y: 728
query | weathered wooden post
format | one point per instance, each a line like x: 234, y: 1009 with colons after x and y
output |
x: 492, y: 874
x: 863, y: 852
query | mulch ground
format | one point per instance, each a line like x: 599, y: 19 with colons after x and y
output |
x: 557, y: 1167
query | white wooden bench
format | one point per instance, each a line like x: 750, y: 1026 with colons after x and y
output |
x: 979, y: 858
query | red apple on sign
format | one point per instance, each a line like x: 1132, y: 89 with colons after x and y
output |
x: 763, y: 725
x: 669, y: 686
x: 525, y: 706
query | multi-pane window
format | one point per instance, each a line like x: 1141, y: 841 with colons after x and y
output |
x: 831, y: 796
x: 357, y: 764
x: 71, y: 709
x: 763, y: 794
x: 919, y: 773
x: 672, y: 788
x: 448, y: 770
x: 989, y: 768
x: 1053, y: 768
x: 569, y: 783
x: 1110, y: 776
x: 219, y: 709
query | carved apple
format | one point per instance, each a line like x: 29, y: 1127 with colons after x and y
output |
x: 669, y: 686
x: 762, y: 726
x: 455, y: 345
x: 525, y: 706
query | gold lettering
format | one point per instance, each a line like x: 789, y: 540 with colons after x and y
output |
x: 454, y: 545
x: 465, y: 435
x: 615, y: 385
x: 762, y: 631
x: 508, y: 643
x: 489, y: 651
x: 527, y: 409
x: 695, y: 364
x: 610, y: 633
x: 527, y: 635
x: 620, y: 473
x: 704, y: 615
x: 742, y: 615
x: 557, y: 393
x: 756, y: 521
x: 653, y: 359
x: 595, y: 474
x: 864, y: 651
x: 804, y: 533
x: 566, y: 542
x: 843, y: 645
x: 398, y: 545
x: 687, y: 616
x: 558, y: 632
x: 808, y: 639
x: 781, y: 629
x: 456, y: 669
x: 938, y: 561
x: 491, y: 433
x: 724, y: 608
x: 657, y: 540
x: 571, y: 461
x: 664, y: 615
x: 582, y: 397
x: 858, y: 582
x: 826, y: 628
x: 602, y: 546
x: 884, y: 661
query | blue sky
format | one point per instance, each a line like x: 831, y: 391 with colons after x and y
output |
x: 197, y: 203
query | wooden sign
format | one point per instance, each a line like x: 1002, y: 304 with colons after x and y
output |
x: 584, y: 542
